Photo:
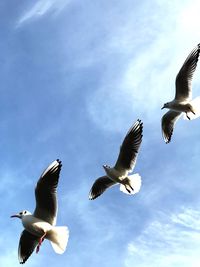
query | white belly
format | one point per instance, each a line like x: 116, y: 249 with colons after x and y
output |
x: 35, y: 226
x: 180, y: 107
x: 115, y: 175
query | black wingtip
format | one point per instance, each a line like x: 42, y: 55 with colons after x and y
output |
x: 140, y: 122
x: 59, y: 162
x: 93, y: 197
x: 168, y: 140
x: 23, y: 260
x: 198, y: 49
x: 137, y: 127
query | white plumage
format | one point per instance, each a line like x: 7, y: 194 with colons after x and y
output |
x: 119, y: 174
x: 41, y: 225
x: 182, y: 103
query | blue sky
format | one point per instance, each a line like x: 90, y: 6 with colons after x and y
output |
x: 75, y: 75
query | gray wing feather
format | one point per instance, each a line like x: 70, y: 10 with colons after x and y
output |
x: 99, y: 186
x: 129, y: 148
x: 185, y: 75
x: 168, y: 122
x: 27, y: 244
x: 46, y: 193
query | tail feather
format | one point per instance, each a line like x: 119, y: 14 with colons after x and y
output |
x: 59, y: 237
x: 135, y: 181
x: 196, y: 107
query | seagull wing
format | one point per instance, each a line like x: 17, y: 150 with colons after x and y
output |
x: 168, y: 122
x: 46, y: 193
x: 129, y: 148
x: 99, y: 186
x: 185, y: 75
x: 27, y: 244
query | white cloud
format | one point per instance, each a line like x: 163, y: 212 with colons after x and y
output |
x: 168, y: 242
x: 41, y: 7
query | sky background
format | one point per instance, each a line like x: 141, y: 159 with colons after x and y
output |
x: 75, y: 75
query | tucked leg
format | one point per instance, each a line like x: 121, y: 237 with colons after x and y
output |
x: 188, y: 116
x: 40, y: 242
x: 192, y: 110
x: 131, y: 187
x: 127, y: 189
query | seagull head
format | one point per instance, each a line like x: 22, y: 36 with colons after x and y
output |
x: 166, y: 105
x: 21, y: 214
x: 106, y: 167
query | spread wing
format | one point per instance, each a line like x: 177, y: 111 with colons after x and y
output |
x: 168, y: 122
x: 46, y: 193
x: 185, y: 75
x: 99, y: 186
x: 129, y: 148
x: 27, y: 244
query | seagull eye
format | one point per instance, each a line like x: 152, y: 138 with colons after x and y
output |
x: 25, y: 212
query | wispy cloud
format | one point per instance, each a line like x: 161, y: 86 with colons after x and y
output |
x: 40, y: 8
x: 145, y: 72
x: 168, y: 242
x: 99, y: 231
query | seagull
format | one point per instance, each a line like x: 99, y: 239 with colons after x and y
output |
x: 182, y: 103
x: 129, y: 184
x: 41, y: 224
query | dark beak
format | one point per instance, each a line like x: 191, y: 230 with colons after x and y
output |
x: 163, y: 107
x: 15, y: 216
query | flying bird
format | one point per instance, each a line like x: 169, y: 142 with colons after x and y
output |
x: 182, y: 103
x: 129, y: 184
x: 41, y: 224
